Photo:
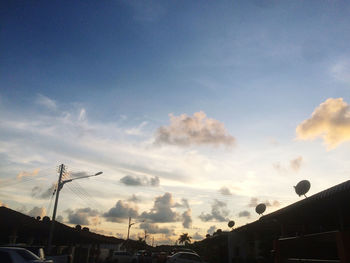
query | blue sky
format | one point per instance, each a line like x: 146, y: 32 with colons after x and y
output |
x: 90, y: 84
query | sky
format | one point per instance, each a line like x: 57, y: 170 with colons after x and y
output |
x: 195, y: 111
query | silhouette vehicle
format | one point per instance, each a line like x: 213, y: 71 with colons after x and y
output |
x: 121, y: 257
x: 18, y: 255
x: 184, y: 257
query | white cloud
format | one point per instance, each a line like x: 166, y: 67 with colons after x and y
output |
x: 341, y: 71
x: 329, y: 121
x: 136, y: 130
x: 45, y: 101
x: 194, y: 130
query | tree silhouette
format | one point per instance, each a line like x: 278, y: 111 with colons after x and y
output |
x: 184, y: 238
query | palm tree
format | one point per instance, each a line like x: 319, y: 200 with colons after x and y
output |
x: 184, y: 238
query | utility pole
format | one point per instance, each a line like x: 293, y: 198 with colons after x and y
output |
x: 146, y: 236
x: 60, y: 185
x: 62, y: 170
x: 130, y: 225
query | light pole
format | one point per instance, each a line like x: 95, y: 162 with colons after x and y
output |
x: 60, y: 185
x: 130, y: 224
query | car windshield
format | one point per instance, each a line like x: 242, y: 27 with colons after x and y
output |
x: 27, y: 255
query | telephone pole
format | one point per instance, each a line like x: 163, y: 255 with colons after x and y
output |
x: 62, y: 170
x: 60, y: 185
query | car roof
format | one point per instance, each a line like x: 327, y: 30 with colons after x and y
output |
x: 13, y: 248
x: 187, y: 253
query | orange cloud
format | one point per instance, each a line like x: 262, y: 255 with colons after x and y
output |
x: 22, y: 174
x: 329, y: 121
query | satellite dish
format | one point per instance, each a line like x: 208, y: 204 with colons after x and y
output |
x: 260, y: 208
x: 231, y: 223
x: 302, y: 187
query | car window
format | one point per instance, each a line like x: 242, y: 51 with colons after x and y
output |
x: 5, y: 257
x: 27, y: 255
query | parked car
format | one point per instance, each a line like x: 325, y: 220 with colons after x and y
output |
x: 121, y: 257
x: 18, y: 255
x: 184, y: 257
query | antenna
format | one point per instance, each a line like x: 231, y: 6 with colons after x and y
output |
x: 260, y: 208
x: 302, y: 187
x: 231, y: 224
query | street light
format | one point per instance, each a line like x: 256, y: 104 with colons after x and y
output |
x: 60, y: 185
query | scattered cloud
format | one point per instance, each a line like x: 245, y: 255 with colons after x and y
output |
x: 211, y: 230
x: 184, y: 203
x: 40, y: 193
x: 120, y: 212
x: 244, y: 213
x: 132, y: 180
x: 155, y: 229
x: 37, y: 211
x: 22, y: 174
x: 225, y: 191
x: 134, y: 198
x: 136, y: 130
x: 162, y: 210
x: 194, y: 130
x: 278, y: 167
x: 83, y: 216
x: 45, y: 101
x: 341, y: 71
x: 187, y: 218
x: 330, y: 121
x: 296, y: 163
x: 254, y: 201
x: 197, y: 236
x: 218, y: 212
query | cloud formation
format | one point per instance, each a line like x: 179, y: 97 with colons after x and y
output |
x: 197, y: 236
x: 120, y: 212
x: 83, y: 216
x: 134, y: 198
x: 45, y: 101
x: 225, y: 191
x: 132, y: 180
x: 254, y: 201
x: 244, y: 213
x: 37, y: 211
x: 187, y: 218
x: 22, y: 174
x: 218, y: 213
x: 341, y: 71
x: 329, y: 121
x: 40, y: 193
x: 194, y: 130
x: 155, y: 229
x: 296, y: 163
x: 211, y: 230
x: 162, y: 210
